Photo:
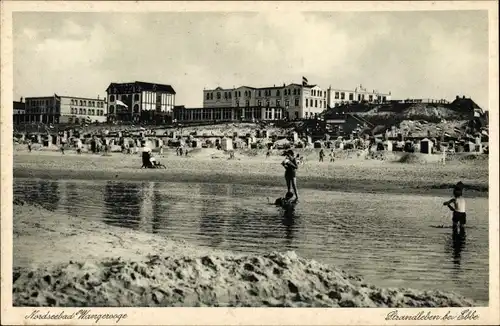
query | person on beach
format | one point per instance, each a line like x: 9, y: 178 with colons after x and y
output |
x: 268, y: 153
x: 332, y: 156
x: 290, y: 165
x: 457, y: 206
x: 62, y: 149
x: 321, y: 155
x: 29, y: 146
x: 180, y: 151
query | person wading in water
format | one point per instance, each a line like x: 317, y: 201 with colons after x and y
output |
x: 290, y: 165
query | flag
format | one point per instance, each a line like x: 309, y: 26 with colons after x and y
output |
x: 118, y: 102
x: 304, y: 81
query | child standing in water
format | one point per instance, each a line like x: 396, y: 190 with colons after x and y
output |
x: 290, y: 165
x: 457, y: 206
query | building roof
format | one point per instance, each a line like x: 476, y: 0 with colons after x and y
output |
x: 67, y: 96
x: 141, y: 86
x: 19, y: 105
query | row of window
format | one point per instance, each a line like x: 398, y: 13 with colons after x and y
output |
x: 84, y: 111
x: 267, y: 92
x: 342, y: 95
x: 99, y: 104
x: 315, y: 92
x: 38, y: 102
x: 314, y: 103
x: 137, y: 97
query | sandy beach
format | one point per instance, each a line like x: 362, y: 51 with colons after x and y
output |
x: 100, y: 265
x: 351, y: 173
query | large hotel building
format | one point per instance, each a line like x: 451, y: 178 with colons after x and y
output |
x: 140, y: 101
x: 62, y: 109
x: 293, y: 101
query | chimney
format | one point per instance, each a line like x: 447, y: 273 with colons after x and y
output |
x: 97, y: 96
x: 21, y: 100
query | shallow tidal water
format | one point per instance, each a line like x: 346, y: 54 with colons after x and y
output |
x: 390, y: 240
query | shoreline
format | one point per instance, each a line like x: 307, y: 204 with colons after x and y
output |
x: 346, y: 175
x: 101, y: 265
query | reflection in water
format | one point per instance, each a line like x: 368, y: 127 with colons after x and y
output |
x: 41, y: 192
x: 122, y: 202
x: 458, y: 244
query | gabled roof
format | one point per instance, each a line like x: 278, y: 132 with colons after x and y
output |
x: 142, y: 86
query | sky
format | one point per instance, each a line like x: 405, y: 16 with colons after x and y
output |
x: 426, y: 54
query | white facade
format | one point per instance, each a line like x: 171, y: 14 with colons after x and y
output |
x: 336, y: 97
x: 295, y: 100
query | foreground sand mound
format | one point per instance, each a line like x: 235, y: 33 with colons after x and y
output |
x: 271, y: 280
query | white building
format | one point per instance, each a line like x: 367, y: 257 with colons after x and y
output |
x: 336, y: 97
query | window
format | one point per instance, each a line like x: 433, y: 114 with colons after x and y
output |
x: 136, y: 97
x: 267, y: 103
x: 294, y: 91
x: 287, y: 103
x: 259, y: 103
x: 298, y: 92
x: 269, y: 114
x: 277, y: 92
x: 342, y: 95
x: 351, y: 96
x: 307, y: 102
x: 237, y: 103
x: 259, y: 93
x: 111, y: 109
x: 80, y: 111
x: 296, y: 102
x: 316, y: 103
x: 247, y: 103
x: 229, y: 94
x: 370, y: 98
x: 278, y: 103
x: 136, y: 108
x: 111, y: 98
x: 277, y: 114
x: 383, y: 98
x: 337, y: 95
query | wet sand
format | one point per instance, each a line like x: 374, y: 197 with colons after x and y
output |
x: 352, y: 175
x: 75, y: 262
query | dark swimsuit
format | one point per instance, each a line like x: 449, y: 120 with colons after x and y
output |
x: 290, y: 171
x: 459, y: 217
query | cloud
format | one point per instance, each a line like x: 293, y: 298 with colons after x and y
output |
x: 412, y: 54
